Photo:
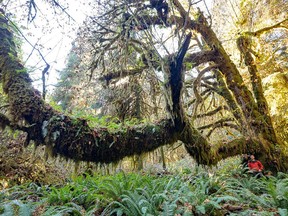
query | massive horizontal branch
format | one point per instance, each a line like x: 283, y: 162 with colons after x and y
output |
x: 73, y: 138
x: 66, y: 136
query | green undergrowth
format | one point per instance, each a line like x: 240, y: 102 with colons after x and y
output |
x: 108, y: 122
x: 197, y: 191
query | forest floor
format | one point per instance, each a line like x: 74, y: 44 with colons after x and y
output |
x: 223, y: 190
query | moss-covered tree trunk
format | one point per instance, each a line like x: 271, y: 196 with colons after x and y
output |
x: 63, y: 135
x: 73, y: 138
x: 251, y: 112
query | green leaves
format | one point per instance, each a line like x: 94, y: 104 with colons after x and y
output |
x: 17, y: 207
x: 67, y: 209
x: 198, y: 193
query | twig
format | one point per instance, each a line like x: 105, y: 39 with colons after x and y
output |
x: 63, y: 9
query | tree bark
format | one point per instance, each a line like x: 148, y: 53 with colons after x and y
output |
x: 63, y: 135
x: 254, y: 115
x: 73, y: 138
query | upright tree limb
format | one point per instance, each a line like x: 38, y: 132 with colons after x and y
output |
x: 73, y: 138
x: 264, y: 122
x: 175, y: 80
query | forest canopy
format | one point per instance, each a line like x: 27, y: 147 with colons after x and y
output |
x: 211, y: 76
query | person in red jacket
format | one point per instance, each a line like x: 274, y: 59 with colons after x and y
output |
x: 255, y: 166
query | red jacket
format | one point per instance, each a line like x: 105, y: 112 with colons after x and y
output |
x: 255, y: 165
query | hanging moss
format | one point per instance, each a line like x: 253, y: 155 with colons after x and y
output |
x: 73, y: 138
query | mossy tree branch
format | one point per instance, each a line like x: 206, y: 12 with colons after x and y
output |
x: 121, y: 74
x: 73, y: 138
x: 66, y: 136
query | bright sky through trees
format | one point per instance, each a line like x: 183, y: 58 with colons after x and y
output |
x: 51, y: 32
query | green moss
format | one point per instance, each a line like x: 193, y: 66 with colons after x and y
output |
x: 23, y: 70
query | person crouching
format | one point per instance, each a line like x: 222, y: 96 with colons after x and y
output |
x: 255, y: 166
